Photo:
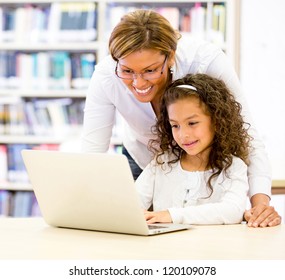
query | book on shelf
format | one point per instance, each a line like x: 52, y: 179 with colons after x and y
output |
x: 54, y: 116
x: 7, y: 23
x: 49, y: 22
x: 26, y: 23
x: 218, y: 26
x: 59, y: 70
x: 205, y: 21
x: 5, y: 203
x: 74, y: 21
x: 12, y: 119
x: 192, y: 20
x: 3, y: 163
x: 82, y: 67
x: 16, y: 168
x: 12, y: 168
x: 22, y: 204
x: 35, y: 125
x: 18, y: 204
x: 115, y: 13
x: 2, y: 118
x: 15, y: 120
x: 41, y: 116
x: 13, y: 202
x: 172, y: 14
x: 8, y: 76
x: 185, y: 20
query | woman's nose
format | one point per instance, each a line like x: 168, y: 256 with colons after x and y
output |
x: 138, y: 80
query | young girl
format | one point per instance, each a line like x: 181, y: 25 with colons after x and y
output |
x: 199, y: 174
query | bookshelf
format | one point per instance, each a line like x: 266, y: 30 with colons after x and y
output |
x: 46, y: 66
x: 216, y: 21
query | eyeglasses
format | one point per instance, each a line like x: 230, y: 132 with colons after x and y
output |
x: 146, y: 75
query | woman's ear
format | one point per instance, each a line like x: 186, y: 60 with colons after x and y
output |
x: 171, y: 59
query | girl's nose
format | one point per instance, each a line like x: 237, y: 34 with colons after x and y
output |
x: 184, y: 133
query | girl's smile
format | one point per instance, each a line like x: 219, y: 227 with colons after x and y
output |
x: 192, y: 128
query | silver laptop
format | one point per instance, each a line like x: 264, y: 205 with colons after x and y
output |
x: 88, y: 191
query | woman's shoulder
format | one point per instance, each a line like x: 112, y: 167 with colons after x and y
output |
x: 195, y: 55
x: 106, y: 65
x: 104, y: 82
x: 198, y: 46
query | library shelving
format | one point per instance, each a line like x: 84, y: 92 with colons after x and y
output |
x: 48, y: 50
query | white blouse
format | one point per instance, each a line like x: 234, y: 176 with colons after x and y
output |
x: 185, y: 194
x: 108, y: 94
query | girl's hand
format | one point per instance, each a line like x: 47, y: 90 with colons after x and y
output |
x: 157, y: 217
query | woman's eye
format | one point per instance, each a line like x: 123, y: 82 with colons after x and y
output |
x: 150, y: 71
x: 127, y: 71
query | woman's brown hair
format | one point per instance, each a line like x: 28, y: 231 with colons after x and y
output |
x: 142, y: 29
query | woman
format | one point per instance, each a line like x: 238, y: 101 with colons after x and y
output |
x: 147, y: 54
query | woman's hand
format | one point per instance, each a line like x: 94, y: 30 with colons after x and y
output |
x: 157, y: 217
x: 261, y: 214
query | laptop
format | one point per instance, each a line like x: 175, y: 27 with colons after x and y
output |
x: 90, y: 191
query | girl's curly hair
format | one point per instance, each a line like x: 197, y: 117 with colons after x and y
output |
x: 231, y: 132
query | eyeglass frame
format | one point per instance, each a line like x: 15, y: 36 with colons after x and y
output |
x: 135, y: 75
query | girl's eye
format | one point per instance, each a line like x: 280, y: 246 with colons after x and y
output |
x: 174, y: 125
x: 192, y: 123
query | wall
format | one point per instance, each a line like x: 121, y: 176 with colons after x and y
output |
x: 262, y: 73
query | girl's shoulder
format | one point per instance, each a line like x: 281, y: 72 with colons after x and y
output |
x: 164, y: 161
x: 237, y: 165
x: 238, y: 161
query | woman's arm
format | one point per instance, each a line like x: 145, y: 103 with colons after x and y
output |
x: 259, y: 170
x: 99, y: 112
x: 145, y: 186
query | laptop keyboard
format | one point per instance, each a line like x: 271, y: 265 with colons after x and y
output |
x: 155, y: 227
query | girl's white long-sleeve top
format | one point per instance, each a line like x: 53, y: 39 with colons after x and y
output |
x: 185, y: 194
x: 107, y: 93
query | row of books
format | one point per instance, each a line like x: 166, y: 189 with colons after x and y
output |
x: 46, y: 70
x: 12, y: 168
x: 41, y: 116
x: 18, y: 204
x: 59, y: 22
x: 202, y: 21
x: 74, y: 21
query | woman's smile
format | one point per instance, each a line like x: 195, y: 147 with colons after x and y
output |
x: 142, y: 92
